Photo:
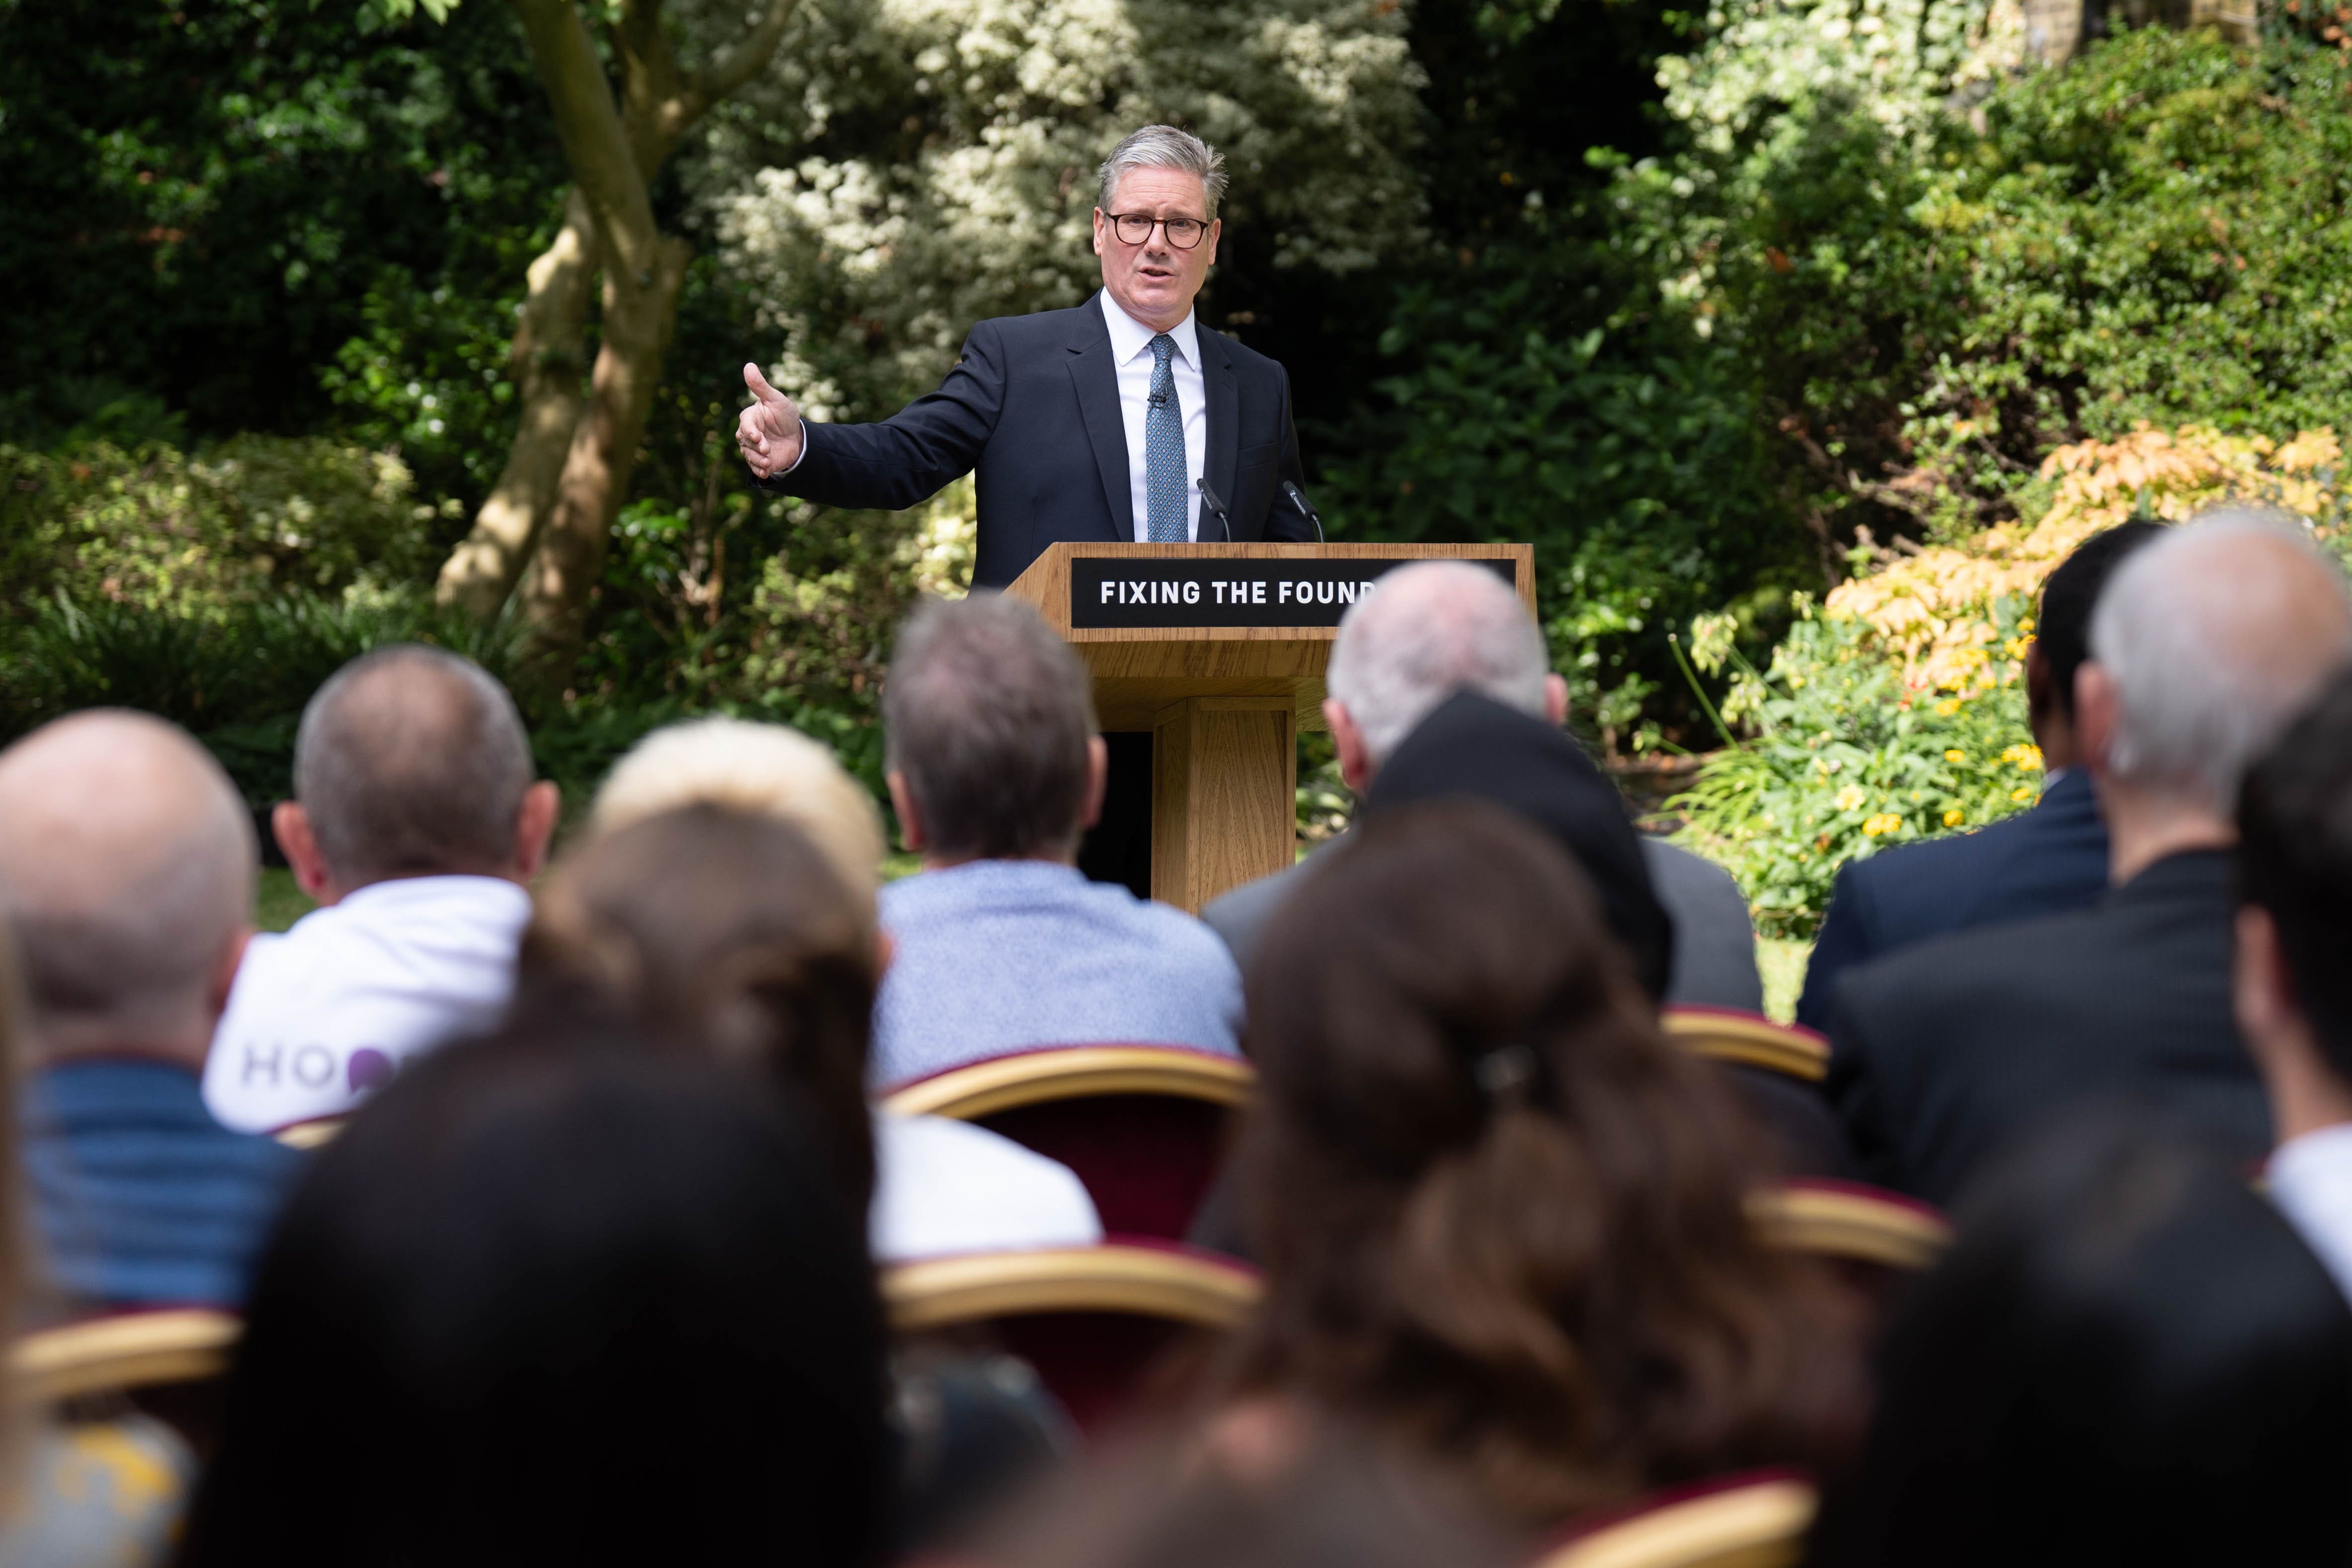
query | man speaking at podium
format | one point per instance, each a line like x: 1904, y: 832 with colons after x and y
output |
x: 1121, y: 419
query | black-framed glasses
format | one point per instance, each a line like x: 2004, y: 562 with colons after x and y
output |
x: 1135, y: 228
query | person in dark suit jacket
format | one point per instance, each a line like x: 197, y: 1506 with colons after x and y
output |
x: 1118, y: 420
x: 2204, y: 646
x: 2041, y: 862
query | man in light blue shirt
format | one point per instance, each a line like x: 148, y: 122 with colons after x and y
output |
x: 999, y: 944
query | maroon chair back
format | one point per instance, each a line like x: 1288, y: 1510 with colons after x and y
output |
x: 1143, y: 1127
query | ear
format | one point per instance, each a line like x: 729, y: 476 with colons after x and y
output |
x: 1556, y: 699
x: 2096, y: 708
x: 1216, y: 227
x: 885, y: 951
x: 1099, y: 231
x: 1097, y: 779
x: 1355, y: 757
x: 543, y: 805
x: 2262, y: 990
x: 910, y: 821
x: 290, y: 826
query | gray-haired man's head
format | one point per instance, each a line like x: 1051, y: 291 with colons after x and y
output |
x: 1426, y: 632
x: 412, y: 762
x: 2206, y: 643
x: 1162, y: 147
x: 126, y: 875
x: 990, y: 724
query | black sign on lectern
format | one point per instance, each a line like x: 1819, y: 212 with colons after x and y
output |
x: 1170, y: 592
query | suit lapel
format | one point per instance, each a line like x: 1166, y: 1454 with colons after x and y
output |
x: 1223, y: 452
x: 1095, y: 381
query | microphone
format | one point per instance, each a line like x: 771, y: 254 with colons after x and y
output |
x: 1157, y: 399
x: 1298, y: 498
x: 1209, y: 499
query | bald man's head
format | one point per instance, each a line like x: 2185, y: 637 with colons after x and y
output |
x: 2212, y: 638
x: 126, y: 873
x: 1428, y: 631
x: 411, y: 761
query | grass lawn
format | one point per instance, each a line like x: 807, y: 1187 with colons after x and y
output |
x: 277, y: 901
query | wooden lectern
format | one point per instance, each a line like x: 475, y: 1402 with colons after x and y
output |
x: 1218, y: 651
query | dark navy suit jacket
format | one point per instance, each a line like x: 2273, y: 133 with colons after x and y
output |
x: 1032, y: 411
x: 2045, y: 861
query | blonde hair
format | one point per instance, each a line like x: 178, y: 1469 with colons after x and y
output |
x: 768, y: 769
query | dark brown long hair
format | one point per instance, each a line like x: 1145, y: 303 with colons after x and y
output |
x: 726, y: 933
x: 1501, y: 1218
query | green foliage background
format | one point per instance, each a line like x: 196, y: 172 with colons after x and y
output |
x: 1712, y: 306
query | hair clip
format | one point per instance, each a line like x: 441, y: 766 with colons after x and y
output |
x: 1505, y: 1073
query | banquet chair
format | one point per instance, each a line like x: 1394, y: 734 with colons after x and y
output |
x: 1757, y: 1520
x: 167, y: 1362
x: 1106, y: 1327
x: 1750, y: 1040
x: 1144, y: 1127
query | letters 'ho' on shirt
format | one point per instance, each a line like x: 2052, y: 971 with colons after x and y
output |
x: 328, y: 1012
x: 1131, y: 352
x: 998, y: 956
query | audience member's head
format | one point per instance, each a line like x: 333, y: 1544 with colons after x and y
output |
x: 1428, y: 631
x: 2204, y: 645
x: 127, y: 865
x: 2294, y: 920
x: 990, y: 724
x: 726, y: 934
x: 557, y: 1299
x: 2062, y: 634
x: 767, y: 768
x: 2127, y: 1357
x: 1501, y: 1219
x: 411, y: 761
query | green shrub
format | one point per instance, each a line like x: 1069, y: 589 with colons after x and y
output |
x: 1845, y: 759
x: 187, y: 533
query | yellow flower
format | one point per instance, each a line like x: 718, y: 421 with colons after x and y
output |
x: 1884, y: 822
x: 1956, y: 756
x: 1955, y: 817
x: 1850, y: 797
x: 2021, y: 793
x: 1949, y: 706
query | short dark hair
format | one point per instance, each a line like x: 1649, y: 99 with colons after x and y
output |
x: 2063, y: 629
x: 2295, y: 861
x: 412, y: 761
x: 987, y: 714
x: 565, y: 1300
x: 2126, y: 1356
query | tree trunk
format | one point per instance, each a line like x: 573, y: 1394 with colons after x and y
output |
x: 639, y: 314
x: 568, y: 471
x: 547, y: 366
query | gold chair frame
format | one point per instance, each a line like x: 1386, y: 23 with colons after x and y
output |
x: 310, y: 1134
x: 135, y: 1350
x: 1760, y: 1525
x: 1073, y: 1072
x: 1148, y: 1281
x: 1745, y: 1040
x: 1862, y: 1227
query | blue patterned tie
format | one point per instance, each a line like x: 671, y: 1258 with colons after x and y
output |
x: 1163, y: 450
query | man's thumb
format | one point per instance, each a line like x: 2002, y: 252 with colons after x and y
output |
x: 758, y: 386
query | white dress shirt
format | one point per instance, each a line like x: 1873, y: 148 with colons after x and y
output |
x: 1130, y: 353
x: 324, y: 1015
x: 943, y: 1187
x: 2311, y: 1182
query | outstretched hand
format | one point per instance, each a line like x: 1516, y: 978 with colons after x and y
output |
x: 768, y: 433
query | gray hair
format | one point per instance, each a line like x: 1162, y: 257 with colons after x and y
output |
x: 2214, y: 636
x: 1164, y: 147
x: 127, y: 862
x: 1426, y: 632
x: 412, y: 761
x: 987, y: 714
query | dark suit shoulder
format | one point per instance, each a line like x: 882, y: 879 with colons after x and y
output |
x: 1042, y: 329
x: 1243, y: 357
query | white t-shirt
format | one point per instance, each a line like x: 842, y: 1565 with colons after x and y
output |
x: 328, y: 1012
x: 2310, y: 1181
x: 943, y: 1186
